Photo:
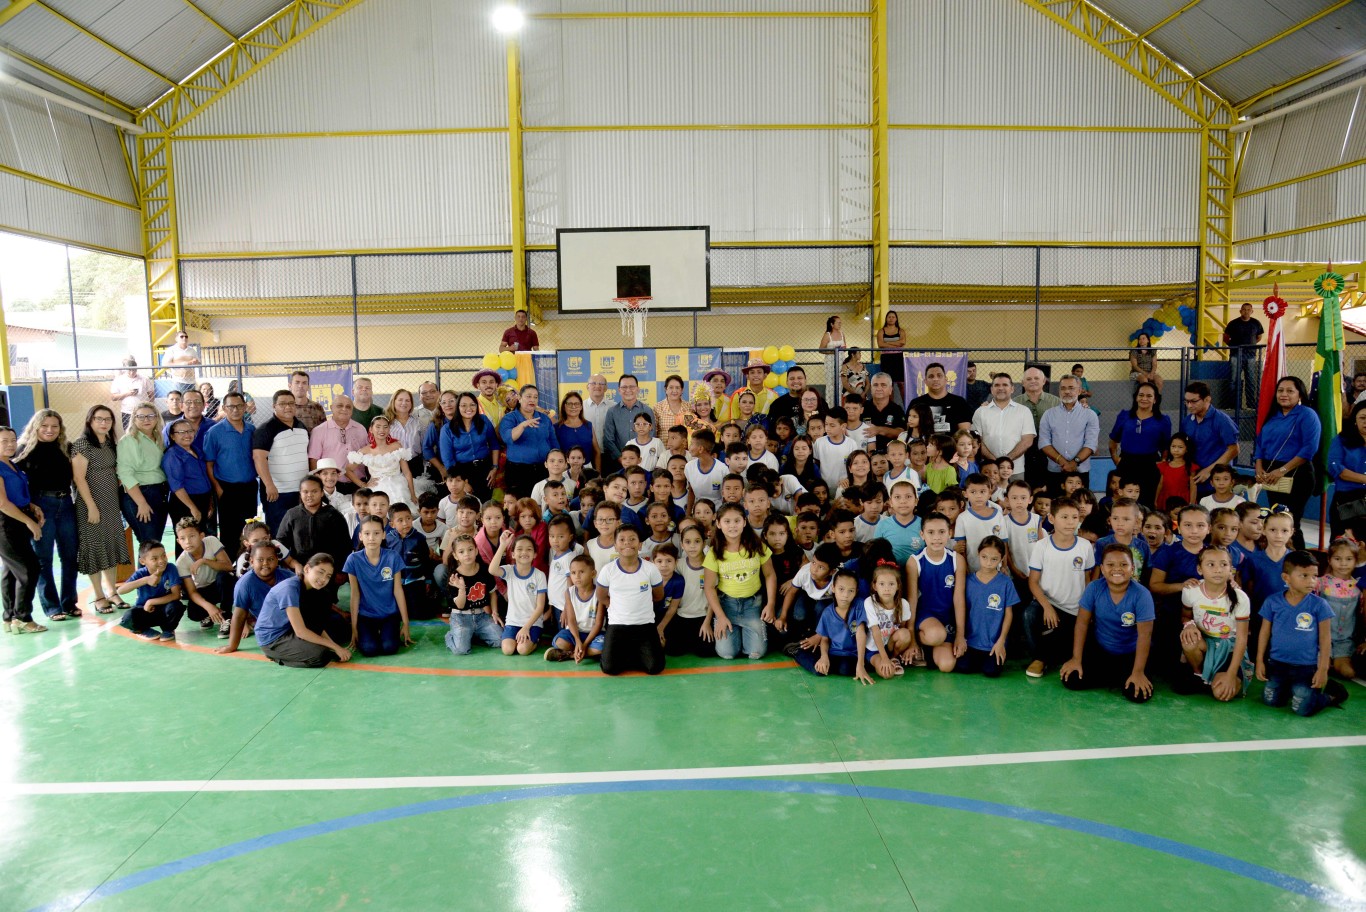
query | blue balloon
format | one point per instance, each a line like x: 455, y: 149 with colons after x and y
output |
x: 504, y: 373
x: 780, y: 390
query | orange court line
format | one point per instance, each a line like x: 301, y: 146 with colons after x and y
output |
x: 457, y: 672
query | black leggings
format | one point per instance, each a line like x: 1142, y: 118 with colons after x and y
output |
x: 20, y: 577
x: 632, y: 647
x: 1105, y: 669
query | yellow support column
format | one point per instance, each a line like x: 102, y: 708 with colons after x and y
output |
x: 5, y: 377
x: 1216, y: 230
x: 877, y: 30
x: 519, y: 282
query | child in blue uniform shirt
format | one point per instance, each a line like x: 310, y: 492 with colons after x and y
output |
x: 250, y: 593
x: 935, y: 582
x: 991, y: 596
x: 158, y: 586
x: 1117, y: 654
x: 379, y: 611
x: 843, y: 632
x: 404, y: 539
x: 1298, y: 629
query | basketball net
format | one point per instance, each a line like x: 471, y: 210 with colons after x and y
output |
x: 633, y: 313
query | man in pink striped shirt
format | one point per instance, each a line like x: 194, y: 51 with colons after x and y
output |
x: 334, y: 439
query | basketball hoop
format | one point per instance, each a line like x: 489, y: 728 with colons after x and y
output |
x: 633, y: 313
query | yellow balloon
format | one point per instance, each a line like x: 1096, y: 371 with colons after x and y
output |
x: 787, y: 353
x: 781, y: 378
x: 491, y: 361
x: 507, y: 360
x: 770, y: 381
x: 770, y: 354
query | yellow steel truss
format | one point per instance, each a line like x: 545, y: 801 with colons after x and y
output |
x: 168, y: 114
x: 14, y: 8
x: 1276, y: 37
x: 517, y: 188
x: 1212, y: 113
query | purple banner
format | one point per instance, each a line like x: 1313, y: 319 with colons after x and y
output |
x: 955, y: 369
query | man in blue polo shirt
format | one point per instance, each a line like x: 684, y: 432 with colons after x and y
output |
x: 1214, y: 436
x: 232, y: 471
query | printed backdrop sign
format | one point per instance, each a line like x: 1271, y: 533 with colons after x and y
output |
x: 955, y: 369
x: 649, y: 365
x: 325, y: 385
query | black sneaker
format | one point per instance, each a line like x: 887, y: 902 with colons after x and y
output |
x: 1335, y: 692
x: 168, y: 635
x: 225, y: 629
x: 206, y: 624
x: 148, y: 634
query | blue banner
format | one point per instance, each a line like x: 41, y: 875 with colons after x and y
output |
x: 650, y: 366
x: 328, y: 384
x: 955, y: 366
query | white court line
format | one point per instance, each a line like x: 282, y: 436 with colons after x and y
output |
x: 41, y: 657
x: 713, y: 772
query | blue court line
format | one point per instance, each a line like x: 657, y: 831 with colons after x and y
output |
x: 1217, y: 860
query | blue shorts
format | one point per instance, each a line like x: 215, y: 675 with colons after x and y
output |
x: 565, y: 640
x: 510, y: 632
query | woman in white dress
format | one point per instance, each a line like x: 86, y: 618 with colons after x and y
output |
x: 387, y: 461
x: 407, y: 429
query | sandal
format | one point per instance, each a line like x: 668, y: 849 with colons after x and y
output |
x: 29, y: 627
x: 8, y: 628
x: 58, y: 617
x: 104, y: 608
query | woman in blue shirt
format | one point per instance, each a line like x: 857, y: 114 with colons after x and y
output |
x: 1286, y: 447
x: 1347, y: 471
x: 187, y: 478
x: 20, y: 525
x: 575, y: 430
x: 529, y: 436
x: 1139, y: 438
x: 469, y: 447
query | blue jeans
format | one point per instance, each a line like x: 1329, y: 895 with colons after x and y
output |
x: 275, y: 510
x: 1246, y: 375
x: 466, y: 627
x: 747, y: 632
x: 154, y: 528
x: 59, y: 530
x: 1292, y: 684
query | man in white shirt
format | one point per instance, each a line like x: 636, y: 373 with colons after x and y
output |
x: 1005, y: 426
x: 596, y: 406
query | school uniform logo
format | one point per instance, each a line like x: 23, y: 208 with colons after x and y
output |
x: 387, y: 574
x: 530, y: 587
x: 948, y: 581
x: 644, y: 587
x: 1077, y: 562
x: 993, y: 602
x: 996, y: 529
x: 1127, y: 619
x: 1032, y: 535
x: 1304, y: 620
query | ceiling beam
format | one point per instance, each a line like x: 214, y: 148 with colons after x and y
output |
x: 1277, y: 37
x: 70, y: 80
x: 1143, y: 35
x: 1350, y: 59
x: 211, y: 20
x: 104, y: 43
x: 14, y: 8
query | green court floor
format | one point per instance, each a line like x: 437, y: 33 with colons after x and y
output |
x: 138, y: 775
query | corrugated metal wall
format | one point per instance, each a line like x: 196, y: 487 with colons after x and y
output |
x: 342, y: 193
x: 1304, y: 142
x: 998, y: 63
x: 60, y: 145
x: 410, y: 65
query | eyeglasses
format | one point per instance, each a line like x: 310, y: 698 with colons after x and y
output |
x: 143, y: 416
x: 1191, y: 400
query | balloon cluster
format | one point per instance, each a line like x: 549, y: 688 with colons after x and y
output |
x: 1168, y: 316
x: 505, y: 363
x: 781, y: 359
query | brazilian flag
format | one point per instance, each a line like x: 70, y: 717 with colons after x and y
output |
x: 1328, y: 365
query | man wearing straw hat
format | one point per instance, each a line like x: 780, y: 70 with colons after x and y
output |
x: 755, y: 371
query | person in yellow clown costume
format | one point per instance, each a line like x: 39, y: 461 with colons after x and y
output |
x: 718, y: 380
x: 755, y: 371
x: 490, y: 403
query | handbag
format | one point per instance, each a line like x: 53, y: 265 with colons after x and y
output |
x: 1286, y: 482
x: 1352, y: 510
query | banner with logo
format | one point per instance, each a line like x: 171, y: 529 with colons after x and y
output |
x: 327, y: 384
x: 651, y: 366
x: 955, y: 366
